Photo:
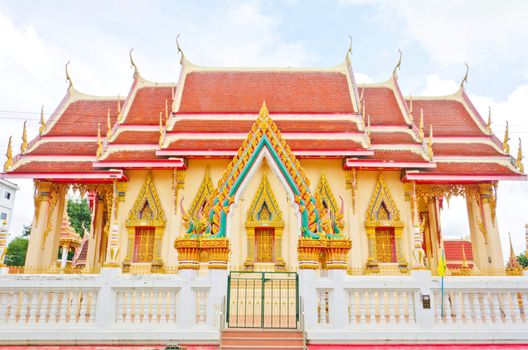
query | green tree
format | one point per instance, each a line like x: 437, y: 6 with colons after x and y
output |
x: 16, y: 252
x: 523, y: 260
x: 80, y: 215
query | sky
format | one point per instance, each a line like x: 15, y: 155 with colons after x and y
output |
x: 436, y: 37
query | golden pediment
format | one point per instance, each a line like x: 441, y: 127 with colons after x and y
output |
x: 147, y: 209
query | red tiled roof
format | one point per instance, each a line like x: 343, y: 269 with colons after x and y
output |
x: 197, y: 125
x: 82, y: 117
x: 382, y: 107
x: 137, y: 137
x: 449, y: 118
x: 63, y: 148
x: 398, y: 156
x: 466, y: 168
x: 284, y: 92
x: 453, y: 250
x: 55, y: 167
x: 391, y: 138
x: 131, y: 155
x: 465, y: 149
x: 147, y: 105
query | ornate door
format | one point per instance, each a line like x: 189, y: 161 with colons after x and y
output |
x: 264, y: 241
x: 385, y: 245
x: 144, y: 244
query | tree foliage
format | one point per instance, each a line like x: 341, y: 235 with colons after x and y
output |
x: 16, y: 252
x: 80, y: 216
x: 523, y: 260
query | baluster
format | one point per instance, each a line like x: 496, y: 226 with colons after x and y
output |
x: 350, y: 306
x: 175, y: 304
x: 167, y: 306
x: 456, y: 306
x: 514, y: 304
x: 150, y: 305
x: 142, y: 306
x: 495, y: 304
x: 20, y: 301
x: 88, y: 311
x: 410, y: 303
x: 478, y: 304
x: 524, y: 300
x: 59, y: 308
x: 133, y: 306
x: 486, y: 307
x: 159, y: 306
x: 506, y: 306
x: 28, y: 306
x: 406, y: 313
x: 79, y: 306
x: 41, y: 303
x: 468, y: 313
x: 362, y: 307
x: 438, y: 308
x: 383, y: 306
x: 372, y: 307
x: 390, y: 296
x: 50, y: 311
x: 447, y: 308
x: 69, y: 302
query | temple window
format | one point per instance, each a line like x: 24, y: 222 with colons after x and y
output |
x: 385, y: 245
x: 264, y: 240
x: 144, y: 244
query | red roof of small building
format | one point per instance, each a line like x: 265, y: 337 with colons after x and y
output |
x: 283, y: 91
x: 453, y: 250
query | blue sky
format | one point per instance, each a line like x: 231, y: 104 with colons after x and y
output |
x: 437, y: 37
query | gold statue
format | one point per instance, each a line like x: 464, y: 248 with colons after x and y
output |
x: 430, y: 142
x: 421, y: 132
x: 518, y: 162
x: 42, y: 121
x: 9, y: 155
x: 505, y: 144
x: 99, y: 142
x: 488, y: 124
x: 24, y: 144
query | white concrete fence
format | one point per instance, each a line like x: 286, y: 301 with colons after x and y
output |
x: 186, y: 308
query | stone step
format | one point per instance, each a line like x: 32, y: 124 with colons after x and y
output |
x: 256, y: 347
x: 271, y: 342
x: 262, y: 333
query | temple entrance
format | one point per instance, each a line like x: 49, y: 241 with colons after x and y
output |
x: 262, y: 300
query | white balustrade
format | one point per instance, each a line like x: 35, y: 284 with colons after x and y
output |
x: 140, y: 306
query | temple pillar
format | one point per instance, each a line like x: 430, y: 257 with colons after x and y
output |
x: 434, y: 231
x: 280, y: 264
x: 64, y: 257
x: 372, y: 260
x: 249, y: 264
x: 478, y: 240
x: 42, y: 201
x: 495, y: 257
x: 94, y: 242
x: 157, y: 262
x: 51, y: 240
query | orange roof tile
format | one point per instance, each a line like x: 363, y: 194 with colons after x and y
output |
x: 382, y: 107
x: 465, y: 149
x: 137, y: 137
x: 284, y: 92
x: 391, y: 138
x: 63, y: 148
x: 453, y: 250
x: 147, y: 105
x: 467, y: 168
x: 56, y: 167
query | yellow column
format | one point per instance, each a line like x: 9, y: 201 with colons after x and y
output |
x: 42, y: 200
x: 52, y: 239
x: 372, y: 260
x: 478, y: 239
x: 249, y: 264
x: 495, y: 257
x: 92, y: 256
x: 402, y: 262
x: 434, y: 231
x: 280, y: 264
x: 157, y: 262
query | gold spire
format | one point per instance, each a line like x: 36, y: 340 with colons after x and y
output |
x: 132, y: 63
x: 42, y: 121
x: 421, y: 132
x: 464, y: 80
x: 99, y: 142
x: 505, y: 144
x: 119, y: 108
x: 363, y: 112
x: 513, y: 268
x: 166, y: 111
x: 488, y: 124
x: 368, y: 128
x: 464, y: 259
x: 68, y: 78
x: 398, y: 65
x: 518, y: 162
x: 108, y: 125
x: 512, y: 253
x: 411, y: 108
x: 9, y: 155
x: 430, y: 142
x: 24, y: 144
x: 161, y: 129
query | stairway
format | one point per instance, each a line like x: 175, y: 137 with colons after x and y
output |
x: 248, y: 339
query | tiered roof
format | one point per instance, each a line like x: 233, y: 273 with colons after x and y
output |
x: 321, y: 112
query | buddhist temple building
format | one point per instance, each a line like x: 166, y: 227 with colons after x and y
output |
x: 296, y: 175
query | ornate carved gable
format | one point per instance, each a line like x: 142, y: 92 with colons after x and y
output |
x: 147, y: 209
x: 199, y: 203
x: 264, y: 209
x: 326, y: 203
x: 382, y: 210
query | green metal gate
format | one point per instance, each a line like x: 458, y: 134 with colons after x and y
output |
x: 262, y: 300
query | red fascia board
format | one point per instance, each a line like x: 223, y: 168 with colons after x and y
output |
x: 256, y: 113
x: 362, y: 163
x: 103, y: 175
x: 161, y: 164
x: 437, y: 178
x: 231, y: 153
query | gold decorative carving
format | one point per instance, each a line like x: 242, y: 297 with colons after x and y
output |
x: 351, y: 184
x: 309, y: 252
x: 178, y: 182
x: 217, y: 250
x: 9, y: 156
x: 188, y: 253
x: 332, y: 218
x: 429, y: 191
x: 195, y: 219
x: 263, y: 200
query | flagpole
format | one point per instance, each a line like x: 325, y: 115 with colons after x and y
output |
x: 442, y: 293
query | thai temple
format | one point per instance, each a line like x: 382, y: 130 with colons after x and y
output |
x: 256, y: 208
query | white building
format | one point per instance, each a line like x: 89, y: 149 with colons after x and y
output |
x: 7, y: 200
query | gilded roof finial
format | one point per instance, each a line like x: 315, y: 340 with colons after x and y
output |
x: 24, y: 144
x: 464, y: 80
x: 166, y: 111
x: 430, y: 142
x: 42, y: 121
x: 108, y: 125
x: 161, y: 129
x: 513, y: 268
x: 505, y: 144
x: 349, y: 51
x: 512, y: 252
x: 368, y: 128
x: 464, y: 259
x: 119, y: 108
x: 180, y: 51
x: 488, y: 124
x: 262, y: 120
x: 68, y: 78
x: 99, y: 142
x: 398, y: 64
x: 518, y: 162
x: 9, y: 155
x: 421, y: 132
x: 411, y: 108
x: 132, y: 63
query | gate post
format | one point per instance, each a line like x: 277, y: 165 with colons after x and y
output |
x: 217, y: 295
x: 309, y: 297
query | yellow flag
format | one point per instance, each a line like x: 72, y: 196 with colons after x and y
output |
x: 442, y: 265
